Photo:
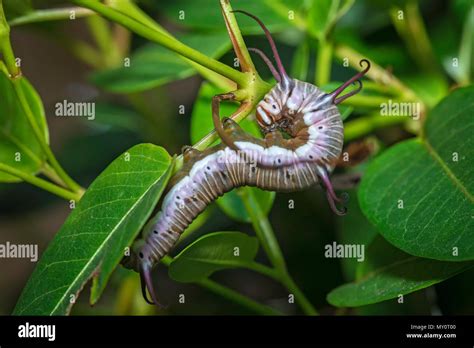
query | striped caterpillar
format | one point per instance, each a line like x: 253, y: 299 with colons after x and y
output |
x: 310, y: 118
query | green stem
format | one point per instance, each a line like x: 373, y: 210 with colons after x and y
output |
x: 299, y: 296
x: 41, y: 140
x: 376, y: 72
x: 100, y: 31
x: 238, y: 298
x: 41, y: 183
x: 235, y: 35
x: 231, y: 294
x: 80, y: 49
x: 51, y: 174
x: 370, y: 101
x: 165, y: 40
x: 5, y: 45
x: 265, y: 270
x: 264, y: 232
x: 208, y: 139
x: 365, y: 125
x: 412, y: 30
x: 323, y: 63
x: 263, y: 229
x: 16, y: 78
x: 50, y: 15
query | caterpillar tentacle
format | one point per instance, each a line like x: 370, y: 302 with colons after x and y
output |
x: 280, y: 66
x: 353, y: 79
x: 267, y: 61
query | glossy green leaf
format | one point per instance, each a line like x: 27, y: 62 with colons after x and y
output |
x: 18, y: 145
x: 420, y: 193
x: 201, y: 124
x: 211, y: 253
x: 92, y: 241
x: 206, y: 14
x: 389, y: 272
x: 153, y: 65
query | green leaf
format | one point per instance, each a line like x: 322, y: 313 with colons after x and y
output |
x: 389, y: 272
x: 211, y: 253
x: 201, y: 124
x: 206, y: 14
x: 18, y: 145
x: 153, y: 65
x: 91, y: 242
x: 419, y: 193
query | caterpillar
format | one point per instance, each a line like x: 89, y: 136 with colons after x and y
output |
x: 306, y: 157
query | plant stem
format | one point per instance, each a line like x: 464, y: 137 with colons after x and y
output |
x: 50, y: 173
x: 41, y: 183
x: 238, y: 298
x: 16, y: 78
x: 323, y: 63
x: 263, y: 229
x: 209, y: 138
x: 50, y: 15
x: 264, y: 232
x: 371, y: 101
x: 230, y: 294
x: 5, y: 45
x: 41, y: 140
x: 265, y: 270
x: 365, y: 125
x: 299, y: 296
x: 376, y: 72
x: 236, y: 37
x: 412, y: 30
x: 101, y: 32
x: 165, y: 40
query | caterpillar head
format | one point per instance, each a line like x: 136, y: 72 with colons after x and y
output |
x: 288, y: 99
x: 294, y: 105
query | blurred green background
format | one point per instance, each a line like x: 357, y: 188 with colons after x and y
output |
x: 145, y: 103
